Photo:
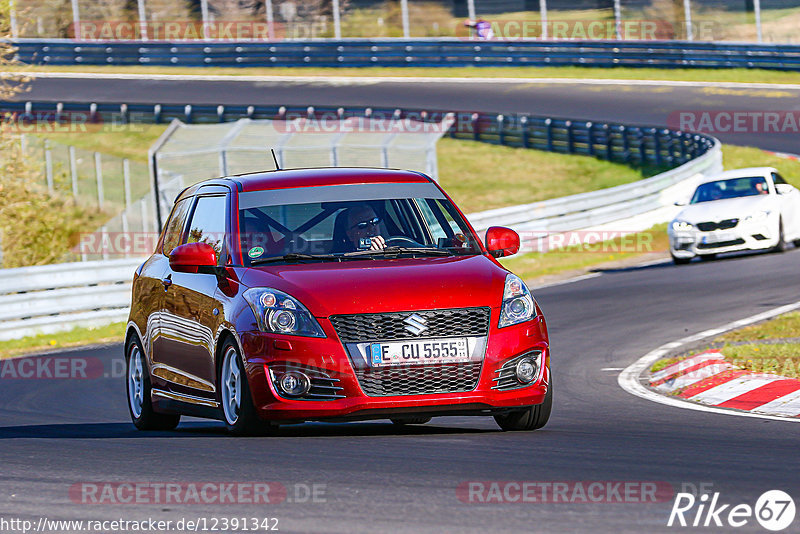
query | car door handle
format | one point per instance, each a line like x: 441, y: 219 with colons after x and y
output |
x: 166, y: 282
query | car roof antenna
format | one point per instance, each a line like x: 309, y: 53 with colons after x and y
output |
x: 275, y: 158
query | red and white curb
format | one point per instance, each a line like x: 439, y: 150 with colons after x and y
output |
x: 731, y: 385
x: 709, y: 379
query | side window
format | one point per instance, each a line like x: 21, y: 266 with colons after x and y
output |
x: 174, y: 229
x: 777, y: 178
x: 208, y: 223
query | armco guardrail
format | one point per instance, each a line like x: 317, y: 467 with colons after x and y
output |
x: 600, y: 207
x: 411, y: 53
x: 640, y: 145
x: 52, y: 298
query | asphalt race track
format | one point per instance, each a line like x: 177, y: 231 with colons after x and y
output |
x: 58, y: 433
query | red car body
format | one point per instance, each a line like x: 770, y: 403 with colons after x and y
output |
x: 188, y: 309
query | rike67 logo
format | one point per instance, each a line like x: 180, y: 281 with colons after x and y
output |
x: 774, y: 510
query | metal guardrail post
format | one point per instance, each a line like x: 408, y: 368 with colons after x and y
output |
x: 523, y: 124
x: 73, y: 171
x: 549, y: 127
x: 609, y: 141
x: 187, y: 113
x: 157, y: 113
x: 98, y: 174
x: 626, y: 143
x: 570, y: 138
x: 221, y: 113
x: 501, y: 129
x: 590, y: 137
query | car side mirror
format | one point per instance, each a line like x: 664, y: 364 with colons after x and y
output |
x: 784, y: 189
x: 501, y: 242
x: 189, y: 258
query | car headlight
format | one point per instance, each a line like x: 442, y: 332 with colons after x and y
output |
x: 758, y: 216
x: 681, y: 226
x: 518, y: 303
x: 280, y: 313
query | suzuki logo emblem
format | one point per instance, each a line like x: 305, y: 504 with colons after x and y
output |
x: 416, y: 324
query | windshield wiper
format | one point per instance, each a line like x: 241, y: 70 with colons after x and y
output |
x: 295, y: 257
x: 388, y: 251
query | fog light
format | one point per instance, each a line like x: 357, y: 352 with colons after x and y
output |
x: 294, y: 384
x: 526, y: 370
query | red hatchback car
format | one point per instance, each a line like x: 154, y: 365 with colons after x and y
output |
x: 331, y: 294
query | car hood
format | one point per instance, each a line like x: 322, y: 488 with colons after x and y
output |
x: 384, y: 285
x: 720, y: 210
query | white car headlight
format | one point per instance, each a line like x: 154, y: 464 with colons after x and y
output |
x: 681, y: 226
x: 758, y: 216
x: 280, y: 313
x: 518, y: 305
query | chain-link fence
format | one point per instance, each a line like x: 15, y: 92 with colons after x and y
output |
x: 771, y: 21
x: 117, y: 186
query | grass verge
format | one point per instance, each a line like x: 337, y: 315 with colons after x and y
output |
x: 616, y: 73
x: 76, y: 337
x: 771, y: 347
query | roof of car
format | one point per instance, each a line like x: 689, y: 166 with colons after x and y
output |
x: 740, y: 173
x: 283, y: 179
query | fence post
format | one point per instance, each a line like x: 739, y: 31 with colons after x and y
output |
x: 126, y: 181
x: 337, y: 21
x: 543, y: 16
x: 76, y: 18
x: 642, y: 145
x: 73, y: 171
x: 609, y: 139
x: 626, y: 144
x: 523, y: 124
x: 12, y: 15
x: 687, y: 15
x: 270, y: 20
x: 570, y: 138
x: 98, y: 173
x: 618, y: 20
x: 48, y: 165
x: 757, y: 9
x: 549, y: 130
x: 501, y: 129
x: 590, y: 137
x: 404, y: 9
x: 23, y: 144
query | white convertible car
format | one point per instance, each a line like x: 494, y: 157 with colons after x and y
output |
x: 745, y: 209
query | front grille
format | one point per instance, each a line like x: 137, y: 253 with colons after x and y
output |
x: 323, y: 387
x: 458, y: 322
x: 419, y: 380
x: 722, y: 244
x: 727, y: 224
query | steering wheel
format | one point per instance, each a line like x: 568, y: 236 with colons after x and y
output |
x: 401, y: 241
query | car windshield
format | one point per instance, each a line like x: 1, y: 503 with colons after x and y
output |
x: 334, y: 223
x: 733, y: 188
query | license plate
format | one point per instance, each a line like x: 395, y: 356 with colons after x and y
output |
x: 424, y: 352
x: 718, y: 238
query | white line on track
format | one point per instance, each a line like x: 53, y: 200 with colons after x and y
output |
x: 629, y: 378
x: 362, y: 80
x: 568, y: 281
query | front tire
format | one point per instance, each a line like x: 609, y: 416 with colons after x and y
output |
x: 530, y: 418
x: 781, y: 245
x: 238, y: 410
x: 140, y: 404
x: 708, y: 257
